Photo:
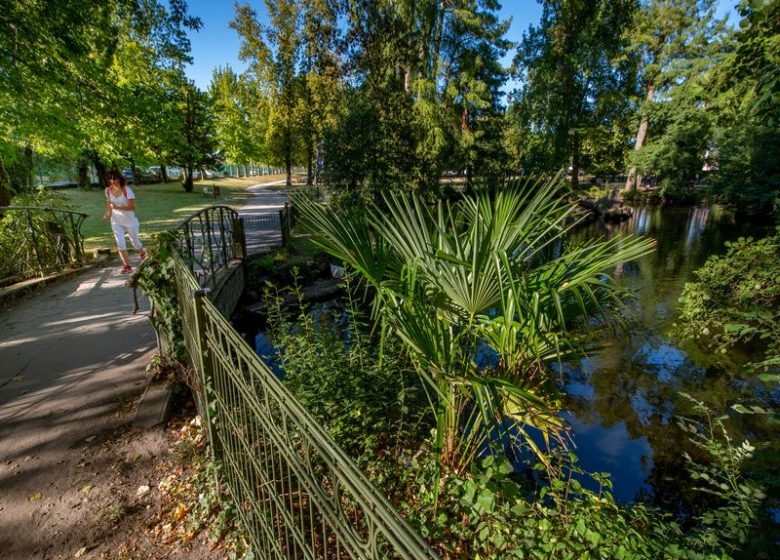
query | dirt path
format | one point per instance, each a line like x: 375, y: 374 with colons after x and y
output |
x: 72, y: 366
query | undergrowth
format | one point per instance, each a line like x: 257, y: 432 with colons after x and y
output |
x: 377, y: 411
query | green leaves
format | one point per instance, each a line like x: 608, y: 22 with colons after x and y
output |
x: 734, y: 302
x: 491, y: 275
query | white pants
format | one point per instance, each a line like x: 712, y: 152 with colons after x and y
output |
x: 119, y: 234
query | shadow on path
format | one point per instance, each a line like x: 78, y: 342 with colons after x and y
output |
x: 72, y: 363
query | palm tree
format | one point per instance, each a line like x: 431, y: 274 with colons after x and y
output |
x: 485, y: 294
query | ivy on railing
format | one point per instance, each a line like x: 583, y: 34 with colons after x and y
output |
x: 156, y: 277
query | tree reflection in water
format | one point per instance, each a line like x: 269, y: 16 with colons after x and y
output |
x: 623, y: 400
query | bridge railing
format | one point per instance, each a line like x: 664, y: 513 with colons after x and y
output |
x: 35, y: 241
x: 297, y: 493
x: 210, y: 240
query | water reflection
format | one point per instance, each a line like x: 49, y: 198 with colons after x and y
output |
x: 622, y: 402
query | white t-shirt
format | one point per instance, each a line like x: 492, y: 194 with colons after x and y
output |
x: 122, y: 217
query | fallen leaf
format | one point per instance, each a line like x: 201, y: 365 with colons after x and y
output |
x: 180, y: 512
x: 90, y: 439
x: 80, y: 552
x: 86, y: 489
x: 142, y: 490
x: 36, y: 496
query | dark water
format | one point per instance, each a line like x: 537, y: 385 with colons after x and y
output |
x: 624, y: 399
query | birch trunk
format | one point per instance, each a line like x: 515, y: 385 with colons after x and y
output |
x: 632, y: 180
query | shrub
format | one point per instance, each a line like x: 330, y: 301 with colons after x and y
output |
x: 377, y: 412
x: 735, y: 303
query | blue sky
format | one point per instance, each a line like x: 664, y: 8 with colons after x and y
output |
x: 217, y: 45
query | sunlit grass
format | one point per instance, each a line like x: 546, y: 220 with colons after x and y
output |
x: 159, y: 206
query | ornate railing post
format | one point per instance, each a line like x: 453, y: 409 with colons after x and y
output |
x: 202, y: 362
x: 239, y: 238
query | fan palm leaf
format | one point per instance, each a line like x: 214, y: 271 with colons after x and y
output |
x: 492, y: 271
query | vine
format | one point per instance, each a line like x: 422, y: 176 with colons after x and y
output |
x: 157, y: 279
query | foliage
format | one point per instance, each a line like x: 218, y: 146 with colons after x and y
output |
x: 483, y: 295
x: 722, y: 476
x: 197, y: 147
x: 335, y: 372
x: 89, y: 80
x: 748, y: 176
x: 239, y: 116
x: 577, y: 79
x: 298, y: 259
x: 15, y: 248
x: 273, y: 52
x: 678, y: 150
x: 156, y: 277
x: 377, y: 412
x: 423, y: 96
x: 675, y: 45
x: 735, y: 303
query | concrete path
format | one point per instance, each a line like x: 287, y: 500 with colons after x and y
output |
x: 263, y: 232
x: 70, y: 357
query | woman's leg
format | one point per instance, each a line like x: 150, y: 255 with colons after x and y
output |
x: 132, y: 232
x: 119, y: 237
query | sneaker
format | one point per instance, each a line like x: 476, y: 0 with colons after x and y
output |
x: 127, y: 268
x: 143, y: 254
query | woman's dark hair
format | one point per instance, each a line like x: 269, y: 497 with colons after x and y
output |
x: 113, y: 174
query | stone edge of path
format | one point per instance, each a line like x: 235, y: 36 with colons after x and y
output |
x: 155, y: 405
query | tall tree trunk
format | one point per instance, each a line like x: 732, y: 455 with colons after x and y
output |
x: 309, y: 165
x: 135, y: 172
x: 288, y: 148
x: 20, y: 171
x: 83, y: 173
x: 5, y: 185
x: 100, y: 169
x: 288, y: 167
x: 188, y: 187
x: 575, y: 161
x: 164, y: 172
x: 633, y: 180
x: 27, y: 166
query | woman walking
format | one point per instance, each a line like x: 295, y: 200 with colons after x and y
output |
x: 120, y: 207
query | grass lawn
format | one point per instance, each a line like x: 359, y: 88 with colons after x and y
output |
x: 159, y: 206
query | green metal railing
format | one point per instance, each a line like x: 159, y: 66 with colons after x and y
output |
x: 298, y: 495
x: 210, y: 241
x: 36, y: 241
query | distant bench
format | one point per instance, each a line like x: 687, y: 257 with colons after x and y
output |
x: 214, y: 191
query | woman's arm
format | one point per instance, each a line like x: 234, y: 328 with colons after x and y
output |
x: 129, y: 206
x: 107, y: 213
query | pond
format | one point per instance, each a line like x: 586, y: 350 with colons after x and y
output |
x: 623, y: 401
